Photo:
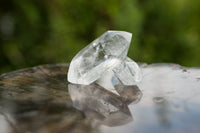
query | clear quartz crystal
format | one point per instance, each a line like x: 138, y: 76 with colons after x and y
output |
x: 106, y: 53
x: 128, y: 72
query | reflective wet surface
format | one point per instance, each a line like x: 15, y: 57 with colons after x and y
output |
x: 39, y: 100
x: 102, y: 106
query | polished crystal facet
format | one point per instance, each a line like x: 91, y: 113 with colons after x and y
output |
x: 106, y: 53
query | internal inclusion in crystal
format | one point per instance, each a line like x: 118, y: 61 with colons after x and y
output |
x: 108, y: 53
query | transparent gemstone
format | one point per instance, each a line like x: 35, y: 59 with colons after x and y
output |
x: 99, y: 57
x: 128, y: 72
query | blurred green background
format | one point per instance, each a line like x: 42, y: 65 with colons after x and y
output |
x: 34, y: 32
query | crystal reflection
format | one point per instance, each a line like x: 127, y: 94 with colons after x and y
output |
x: 103, y: 106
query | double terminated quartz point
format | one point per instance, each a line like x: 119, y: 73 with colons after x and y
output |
x: 106, y: 54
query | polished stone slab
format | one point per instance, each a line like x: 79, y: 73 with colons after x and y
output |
x: 40, y: 100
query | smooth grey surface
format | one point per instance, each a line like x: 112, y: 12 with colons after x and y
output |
x: 38, y: 100
x: 170, y: 102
